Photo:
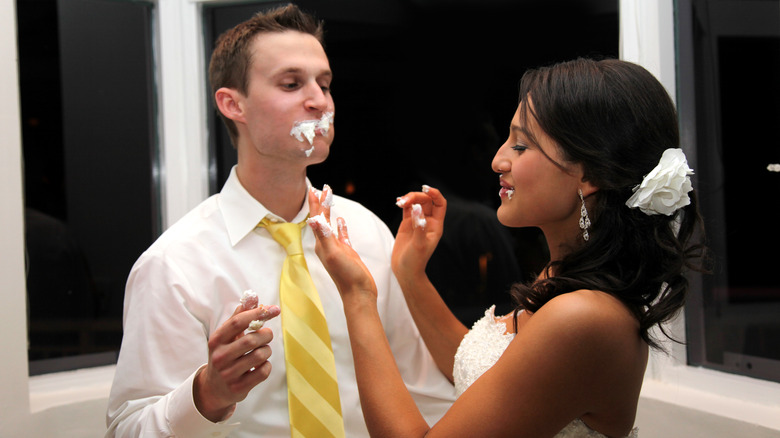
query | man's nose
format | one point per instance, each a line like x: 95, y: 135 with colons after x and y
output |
x: 316, y: 98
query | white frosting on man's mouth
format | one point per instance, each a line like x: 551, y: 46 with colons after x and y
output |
x: 310, y: 128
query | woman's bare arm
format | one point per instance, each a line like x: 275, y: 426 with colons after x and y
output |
x: 414, y: 245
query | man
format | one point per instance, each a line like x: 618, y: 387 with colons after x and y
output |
x: 186, y: 367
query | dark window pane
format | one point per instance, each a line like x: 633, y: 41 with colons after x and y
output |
x: 86, y: 83
x: 734, y: 318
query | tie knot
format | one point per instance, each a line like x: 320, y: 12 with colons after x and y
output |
x: 286, y: 234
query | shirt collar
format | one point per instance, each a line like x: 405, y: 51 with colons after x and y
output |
x: 242, y: 212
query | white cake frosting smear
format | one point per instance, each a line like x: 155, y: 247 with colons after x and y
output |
x: 506, y: 192
x: 249, y: 300
x: 418, y: 218
x: 328, y: 202
x: 322, y: 222
x: 309, y: 128
x: 255, y: 325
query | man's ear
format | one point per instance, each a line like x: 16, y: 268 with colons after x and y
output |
x: 230, y: 104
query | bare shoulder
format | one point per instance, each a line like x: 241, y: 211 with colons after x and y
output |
x: 593, y: 338
x: 578, y: 356
x: 592, y: 324
x: 590, y: 311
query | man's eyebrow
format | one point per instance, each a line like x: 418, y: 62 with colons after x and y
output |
x: 287, y: 70
x: 296, y: 70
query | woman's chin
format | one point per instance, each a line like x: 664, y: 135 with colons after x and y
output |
x: 503, y: 218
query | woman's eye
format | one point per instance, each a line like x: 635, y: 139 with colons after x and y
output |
x: 519, y: 147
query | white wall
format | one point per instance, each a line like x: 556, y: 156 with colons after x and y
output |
x: 677, y: 400
x: 14, y: 414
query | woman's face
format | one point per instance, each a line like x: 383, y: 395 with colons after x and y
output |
x: 538, y: 187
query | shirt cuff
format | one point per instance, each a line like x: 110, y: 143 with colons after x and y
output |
x: 186, y: 421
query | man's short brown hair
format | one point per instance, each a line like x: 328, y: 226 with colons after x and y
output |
x: 232, y: 58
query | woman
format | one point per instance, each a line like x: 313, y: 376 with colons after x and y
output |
x: 592, y: 159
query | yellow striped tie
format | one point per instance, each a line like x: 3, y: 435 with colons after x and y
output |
x: 312, y: 387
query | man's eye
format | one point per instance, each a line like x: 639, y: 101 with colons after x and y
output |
x: 290, y: 85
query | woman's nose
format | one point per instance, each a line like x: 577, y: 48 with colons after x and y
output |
x: 501, y: 163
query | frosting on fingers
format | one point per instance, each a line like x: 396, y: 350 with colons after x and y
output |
x: 319, y: 222
x: 418, y: 218
x: 249, y: 300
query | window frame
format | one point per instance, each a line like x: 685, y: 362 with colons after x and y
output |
x: 648, y: 37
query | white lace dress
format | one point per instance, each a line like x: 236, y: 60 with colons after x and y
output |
x: 481, y: 348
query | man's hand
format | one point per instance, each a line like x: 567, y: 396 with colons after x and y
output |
x: 238, y: 361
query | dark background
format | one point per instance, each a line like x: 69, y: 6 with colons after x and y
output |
x: 425, y: 92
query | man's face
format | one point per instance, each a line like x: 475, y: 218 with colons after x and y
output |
x: 289, y: 82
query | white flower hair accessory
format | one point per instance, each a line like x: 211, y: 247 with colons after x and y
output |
x: 665, y: 189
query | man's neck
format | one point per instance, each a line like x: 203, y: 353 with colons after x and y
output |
x: 281, y: 191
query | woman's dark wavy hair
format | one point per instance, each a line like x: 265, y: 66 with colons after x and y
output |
x: 615, y: 119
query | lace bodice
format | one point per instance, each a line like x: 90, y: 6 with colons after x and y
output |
x: 481, y: 348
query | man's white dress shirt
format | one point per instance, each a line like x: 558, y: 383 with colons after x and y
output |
x: 190, y: 281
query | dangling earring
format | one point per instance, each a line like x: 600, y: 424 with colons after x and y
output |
x: 584, y: 219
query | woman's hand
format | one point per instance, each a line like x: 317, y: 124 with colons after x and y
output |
x: 352, y: 278
x: 419, y: 232
x: 376, y: 371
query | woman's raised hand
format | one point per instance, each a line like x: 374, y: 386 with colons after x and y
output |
x: 344, y: 265
x: 419, y: 232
